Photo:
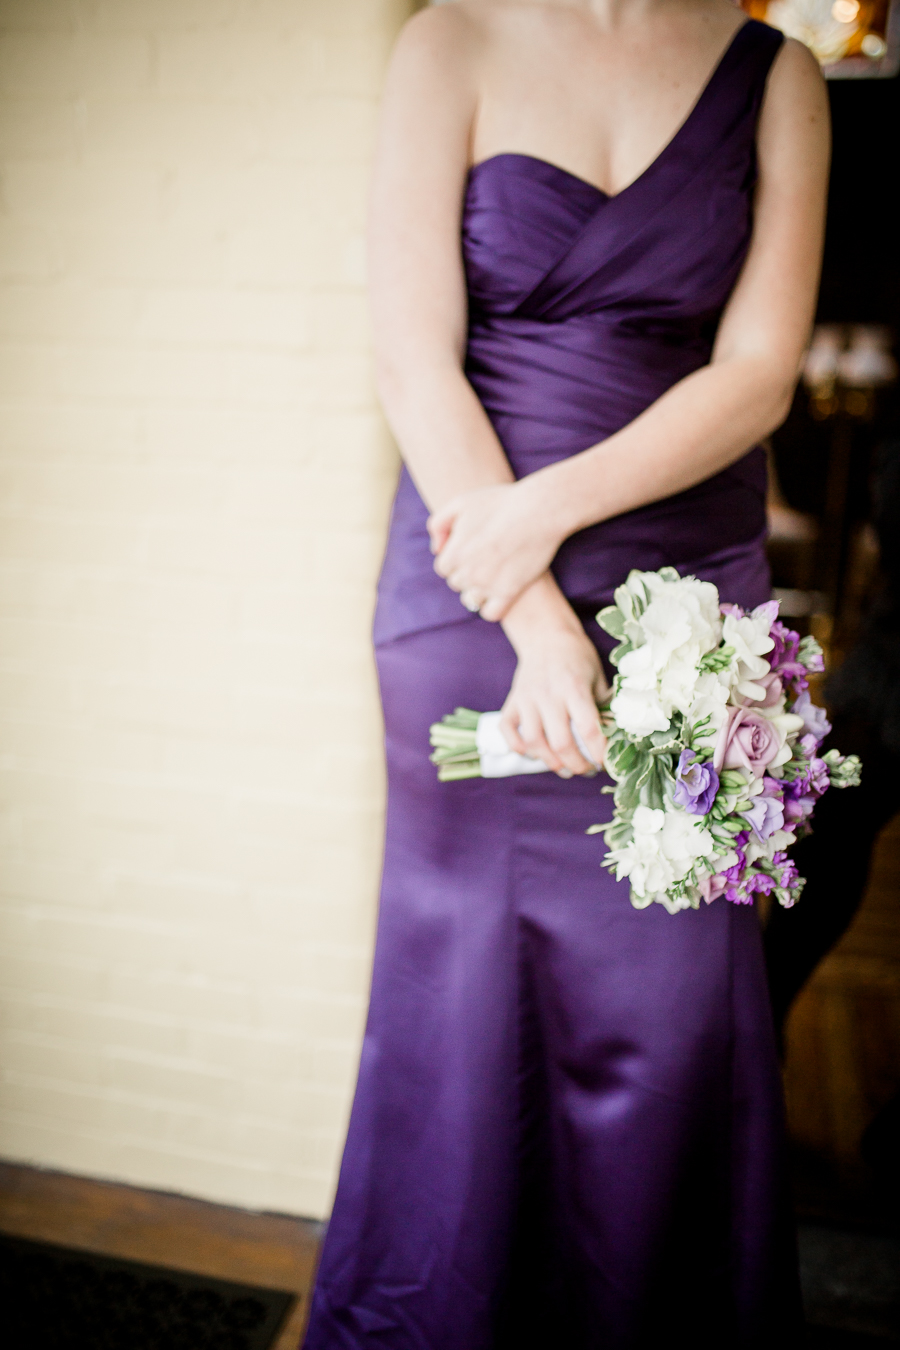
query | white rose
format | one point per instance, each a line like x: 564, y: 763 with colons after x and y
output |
x: 666, y: 626
x: 639, y: 711
x: 678, y: 681
x: 638, y: 669
x: 700, y: 597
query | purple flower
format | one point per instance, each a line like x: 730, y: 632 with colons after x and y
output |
x: 696, y: 785
x: 747, y: 740
x: 733, y: 876
x: 784, y: 658
x: 815, y: 719
x: 799, y: 798
x: 712, y: 887
x: 766, y: 815
x: 799, y: 808
x: 819, y: 777
x: 802, y: 793
x: 789, y: 876
x: 768, y: 611
x: 815, y: 663
x: 738, y: 896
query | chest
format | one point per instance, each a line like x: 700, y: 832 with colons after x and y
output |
x: 600, y: 108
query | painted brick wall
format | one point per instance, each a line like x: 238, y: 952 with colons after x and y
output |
x: 195, y: 484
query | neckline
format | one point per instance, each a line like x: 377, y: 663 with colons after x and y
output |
x: 667, y: 147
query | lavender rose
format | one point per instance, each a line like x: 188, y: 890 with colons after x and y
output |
x: 696, y: 785
x: 747, y: 741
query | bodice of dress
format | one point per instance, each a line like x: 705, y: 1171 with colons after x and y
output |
x: 584, y: 309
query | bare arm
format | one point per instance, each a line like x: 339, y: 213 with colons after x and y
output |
x: 495, y: 541
x: 417, y: 283
x: 418, y: 294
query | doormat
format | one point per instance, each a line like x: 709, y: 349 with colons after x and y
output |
x: 851, y: 1286
x: 822, y: 1338
x: 56, y: 1298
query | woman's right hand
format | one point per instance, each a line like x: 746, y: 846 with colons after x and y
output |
x: 558, y: 684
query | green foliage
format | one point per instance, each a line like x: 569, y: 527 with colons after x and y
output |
x: 843, y: 770
x: 720, y: 659
x: 612, y: 621
x: 455, y: 750
x: 644, y: 770
x: 809, y: 652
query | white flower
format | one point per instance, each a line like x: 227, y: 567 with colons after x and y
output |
x: 710, y: 700
x: 699, y: 598
x: 665, y: 846
x: 684, y: 840
x: 750, y: 639
x: 679, y: 625
x: 643, y: 861
x: 639, y: 711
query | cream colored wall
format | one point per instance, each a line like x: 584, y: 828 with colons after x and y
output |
x: 195, y: 482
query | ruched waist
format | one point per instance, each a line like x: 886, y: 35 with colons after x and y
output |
x: 552, y: 389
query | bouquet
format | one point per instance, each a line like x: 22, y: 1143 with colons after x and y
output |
x: 713, y: 745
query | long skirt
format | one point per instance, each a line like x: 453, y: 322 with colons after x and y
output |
x: 567, y: 1130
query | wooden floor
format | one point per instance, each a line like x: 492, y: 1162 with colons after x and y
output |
x: 168, y: 1230
x: 843, y: 1035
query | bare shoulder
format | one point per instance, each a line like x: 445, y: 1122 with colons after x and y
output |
x: 794, y: 135
x: 797, y: 80
x: 464, y: 30
x: 442, y: 36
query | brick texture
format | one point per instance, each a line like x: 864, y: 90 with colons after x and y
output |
x: 194, y: 485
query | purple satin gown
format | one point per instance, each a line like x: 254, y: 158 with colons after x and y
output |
x: 567, y: 1130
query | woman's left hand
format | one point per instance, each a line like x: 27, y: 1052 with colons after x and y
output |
x: 492, y: 543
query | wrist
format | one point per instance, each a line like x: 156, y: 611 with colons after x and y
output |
x: 541, y: 613
x: 565, y: 493
x: 547, y: 498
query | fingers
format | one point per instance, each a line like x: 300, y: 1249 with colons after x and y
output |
x: 509, y: 725
x: 558, y: 729
x: 531, y: 733
x: 547, y: 734
x: 440, y: 525
x: 496, y: 607
x: 590, y: 731
x: 585, y: 721
x: 602, y: 688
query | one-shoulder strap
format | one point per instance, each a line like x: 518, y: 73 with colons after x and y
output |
x: 757, y: 46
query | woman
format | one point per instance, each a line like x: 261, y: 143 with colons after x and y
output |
x: 567, y: 1127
